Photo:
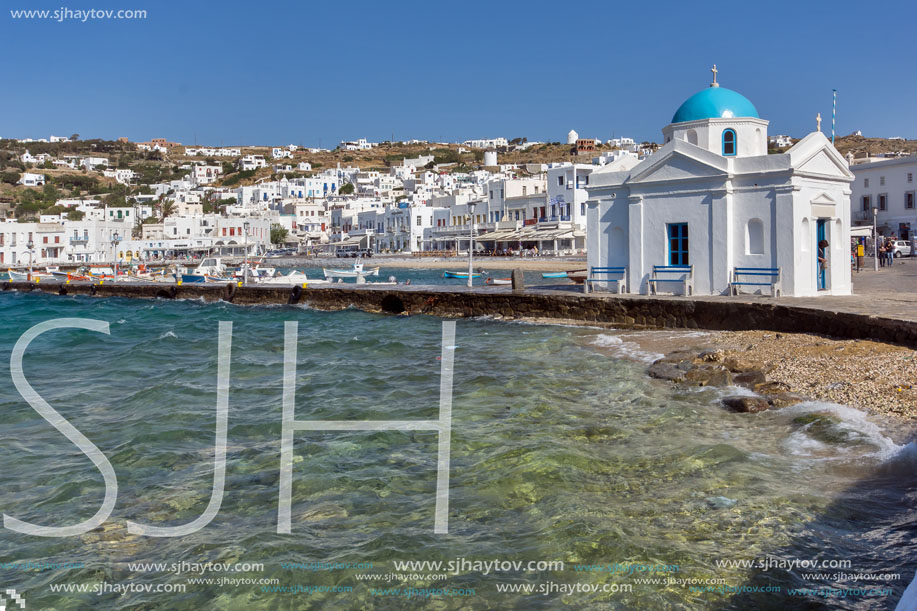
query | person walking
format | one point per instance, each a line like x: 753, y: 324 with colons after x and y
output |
x: 881, y: 253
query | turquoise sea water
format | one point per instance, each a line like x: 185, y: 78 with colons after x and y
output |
x: 562, y: 450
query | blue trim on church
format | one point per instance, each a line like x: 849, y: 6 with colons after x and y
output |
x: 730, y: 145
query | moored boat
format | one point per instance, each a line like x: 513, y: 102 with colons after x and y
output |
x: 462, y: 275
x: 356, y: 271
x: 211, y: 269
x: 498, y: 281
x: 294, y: 277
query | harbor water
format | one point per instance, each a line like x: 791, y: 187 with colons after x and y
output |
x: 562, y: 451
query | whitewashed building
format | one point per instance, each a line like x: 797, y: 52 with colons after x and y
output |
x: 30, y: 179
x: 252, y: 162
x: 889, y: 187
x: 712, y: 198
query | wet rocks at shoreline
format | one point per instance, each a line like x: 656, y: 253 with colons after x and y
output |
x: 716, y: 368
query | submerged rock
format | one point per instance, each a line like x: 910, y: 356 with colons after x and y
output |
x: 720, y: 502
x: 746, y: 404
x: 322, y: 511
x: 824, y: 428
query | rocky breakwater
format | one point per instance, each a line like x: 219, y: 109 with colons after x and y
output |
x: 715, y: 368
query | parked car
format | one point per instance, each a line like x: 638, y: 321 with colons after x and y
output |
x: 902, y: 248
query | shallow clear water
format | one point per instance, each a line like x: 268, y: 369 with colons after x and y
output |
x: 562, y: 450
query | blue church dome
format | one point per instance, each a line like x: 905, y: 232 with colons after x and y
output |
x: 715, y: 103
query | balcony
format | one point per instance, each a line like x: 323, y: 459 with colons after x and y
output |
x: 78, y: 240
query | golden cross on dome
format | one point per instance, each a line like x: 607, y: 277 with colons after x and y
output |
x: 714, y: 71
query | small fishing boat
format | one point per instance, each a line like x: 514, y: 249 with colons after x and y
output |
x: 356, y: 271
x: 498, y: 281
x: 77, y: 276
x: 36, y: 276
x: 554, y: 275
x: 211, y: 269
x: 463, y: 275
x: 294, y: 277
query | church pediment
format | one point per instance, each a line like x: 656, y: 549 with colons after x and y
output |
x: 824, y: 198
x: 821, y: 163
x: 678, y: 166
x: 814, y: 154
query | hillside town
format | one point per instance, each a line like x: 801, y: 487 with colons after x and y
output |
x: 71, y: 201
x: 161, y: 200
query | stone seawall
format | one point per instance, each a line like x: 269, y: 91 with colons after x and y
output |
x: 631, y: 312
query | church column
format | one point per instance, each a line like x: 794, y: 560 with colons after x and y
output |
x: 789, y: 241
x: 721, y: 241
x: 635, y: 271
x: 594, y: 255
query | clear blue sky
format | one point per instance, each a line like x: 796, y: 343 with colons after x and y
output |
x: 237, y: 72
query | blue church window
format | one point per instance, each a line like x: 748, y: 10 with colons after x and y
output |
x: 729, y: 142
x: 678, y: 243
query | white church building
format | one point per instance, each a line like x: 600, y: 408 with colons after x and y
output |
x: 713, y: 199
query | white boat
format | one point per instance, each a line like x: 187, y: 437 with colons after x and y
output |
x: 211, y: 269
x: 36, y: 276
x: 256, y: 273
x: 294, y: 277
x: 356, y: 271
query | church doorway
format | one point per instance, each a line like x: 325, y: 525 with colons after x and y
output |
x: 822, y: 251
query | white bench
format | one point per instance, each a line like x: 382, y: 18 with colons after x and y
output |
x: 684, y: 273
x: 772, y: 274
x: 601, y: 274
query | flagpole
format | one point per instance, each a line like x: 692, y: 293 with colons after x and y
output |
x: 833, y: 116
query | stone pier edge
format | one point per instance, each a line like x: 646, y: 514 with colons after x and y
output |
x: 638, y: 312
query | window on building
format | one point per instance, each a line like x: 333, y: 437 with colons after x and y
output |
x: 883, y: 199
x: 909, y: 200
x: 881, y: 181
x: 678, y: 243
x: 910, y: 177
x: 419, y: 221
x: 491, y: 194
x: 560, y: 181
x: 44, y: 239
x: 525, y: 190
x: 729, y: 142
x: 866, y: 183
x: 867, y: 203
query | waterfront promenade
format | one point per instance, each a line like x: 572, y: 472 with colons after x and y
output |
x: 884, y: 307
